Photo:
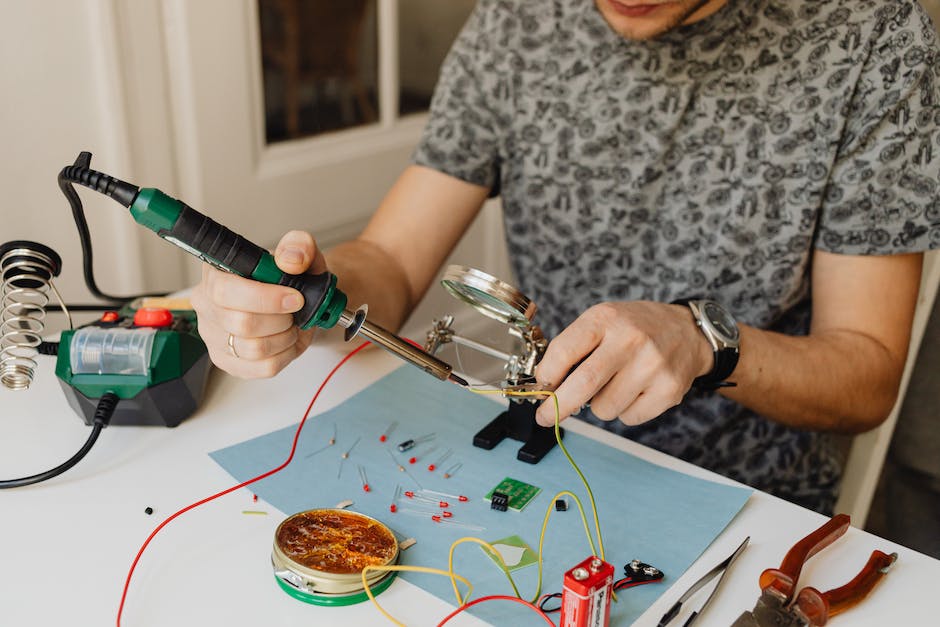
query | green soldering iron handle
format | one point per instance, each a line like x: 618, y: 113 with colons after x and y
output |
x: 226, y: 250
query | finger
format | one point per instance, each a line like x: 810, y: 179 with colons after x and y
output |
x: 252, y: 369
x: 230, y: 291
x: 568, y: 348
x: 579, y: 387
x: 297, y: 252
x: 257, y: 348
x: 622, y: 391
x: 649, y: 404
x: 251, y: 325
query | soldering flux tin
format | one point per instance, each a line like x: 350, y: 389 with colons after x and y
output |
x: 319, y: 556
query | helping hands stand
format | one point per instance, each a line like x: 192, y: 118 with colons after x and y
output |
x: 502, y: 302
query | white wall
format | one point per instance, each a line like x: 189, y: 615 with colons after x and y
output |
x: 62, y: 93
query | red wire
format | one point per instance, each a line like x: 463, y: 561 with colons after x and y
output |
x: 130, y: 573
x: 496, y: 597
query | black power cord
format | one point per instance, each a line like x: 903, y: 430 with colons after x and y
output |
x: 121, y: 191
x: 103, y: 413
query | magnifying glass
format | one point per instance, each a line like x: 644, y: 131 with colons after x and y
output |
x: 488, y: 295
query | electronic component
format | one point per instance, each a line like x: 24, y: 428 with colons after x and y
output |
x: 407, y: 445
x: 499, y: 501
x: 585, y: 598
x: 561, y: 505
x: 519, y: 493
x: 388, y: 431
x: 450, y: 472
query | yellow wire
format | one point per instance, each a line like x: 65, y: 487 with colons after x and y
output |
x: 548, y: 512
x: 454, y: 576
x: 489, y: 547
x: 415, y: 569
x: 561, y: 445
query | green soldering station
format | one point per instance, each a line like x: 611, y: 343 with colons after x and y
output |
x: 143, y: 364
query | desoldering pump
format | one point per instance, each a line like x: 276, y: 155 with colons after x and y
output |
x: 176, y: 222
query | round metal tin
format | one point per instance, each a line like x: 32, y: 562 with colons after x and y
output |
x: 319, y: 555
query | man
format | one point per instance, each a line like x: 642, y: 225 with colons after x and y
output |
x: 777, y: 158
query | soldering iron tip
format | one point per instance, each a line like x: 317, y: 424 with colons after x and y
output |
x: 457, y: 380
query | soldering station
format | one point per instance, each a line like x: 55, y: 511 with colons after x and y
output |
x: 142, y: 363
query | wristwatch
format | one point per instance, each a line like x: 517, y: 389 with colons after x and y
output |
x: 721, y: 331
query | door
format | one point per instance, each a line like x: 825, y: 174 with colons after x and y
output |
x: 252, y: 156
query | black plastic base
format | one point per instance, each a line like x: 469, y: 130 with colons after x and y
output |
x: 163, y: 405
x: 518, y: 423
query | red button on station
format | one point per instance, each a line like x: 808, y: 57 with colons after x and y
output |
x: 153, y: 317
x: 109, y: 316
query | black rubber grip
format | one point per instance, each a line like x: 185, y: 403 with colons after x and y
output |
x: 215, y: 241
x: 313, y: 287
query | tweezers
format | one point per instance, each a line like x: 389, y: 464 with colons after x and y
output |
x: 718, y: 571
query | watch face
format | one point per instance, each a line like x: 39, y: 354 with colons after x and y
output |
x: 721, y: 320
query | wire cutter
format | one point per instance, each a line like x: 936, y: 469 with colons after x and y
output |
x: 778, y: 606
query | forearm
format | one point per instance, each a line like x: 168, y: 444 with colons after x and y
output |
x: 392, y: 263
x: 836, y: 380
x: 369, y: 275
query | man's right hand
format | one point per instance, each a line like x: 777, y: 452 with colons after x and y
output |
x: 248, y: 326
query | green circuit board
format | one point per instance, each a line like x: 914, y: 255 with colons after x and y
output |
x: 520, y: 493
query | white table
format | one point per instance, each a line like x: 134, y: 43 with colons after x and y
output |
x: 66, y: 544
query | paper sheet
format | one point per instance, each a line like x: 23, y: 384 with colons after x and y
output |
x: 647, y: 512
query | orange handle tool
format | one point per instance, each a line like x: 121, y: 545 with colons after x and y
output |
x: 818, y: 606
x: 782, y: 581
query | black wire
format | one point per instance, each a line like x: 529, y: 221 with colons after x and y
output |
x: 65, y: 184
x: 103, y: 413
x: 545, y: 598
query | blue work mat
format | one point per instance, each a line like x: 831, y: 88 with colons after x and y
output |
x: 647, y: 512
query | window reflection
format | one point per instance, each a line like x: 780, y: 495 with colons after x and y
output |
x: 318, y: 65
x: 427, y: 28
x: 320, y: 60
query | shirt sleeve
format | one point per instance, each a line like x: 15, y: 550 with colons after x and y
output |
x: 884, y: 192
x: 461, y: 137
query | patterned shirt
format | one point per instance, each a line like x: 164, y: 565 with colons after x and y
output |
x: 710, y: 161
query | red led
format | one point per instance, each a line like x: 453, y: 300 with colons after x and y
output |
x: 383, y: 437
x: 412, y: 460
x: 109, y: 316
x: 393, y: 508
x: 436, y: 518
x: 431, y: 467
x: 443, y: 504
x: 254, y: 498
x: 462, y: 499
x: 409, y: 494
x: 366, y: 488
x: 447, y: 514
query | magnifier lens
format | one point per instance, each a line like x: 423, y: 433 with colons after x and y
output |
x: 488, y: 295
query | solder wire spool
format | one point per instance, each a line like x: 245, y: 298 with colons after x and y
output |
x: 319, y: 556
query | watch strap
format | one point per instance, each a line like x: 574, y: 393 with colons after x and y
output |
x: 726, y: 359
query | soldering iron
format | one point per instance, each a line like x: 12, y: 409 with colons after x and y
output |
x: 324, y: 304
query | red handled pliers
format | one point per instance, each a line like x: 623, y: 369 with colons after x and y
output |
x: 780, y: 605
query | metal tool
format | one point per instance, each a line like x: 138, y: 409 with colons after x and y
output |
x: 780, y: 605
x: 718, y: 571
x: 500, y: 301
x: 26, y: 273
x: 324, y: 304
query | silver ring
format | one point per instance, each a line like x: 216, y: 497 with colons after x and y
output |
x: 231, y: 346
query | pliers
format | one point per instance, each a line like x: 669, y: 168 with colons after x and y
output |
x: 778, y: 606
